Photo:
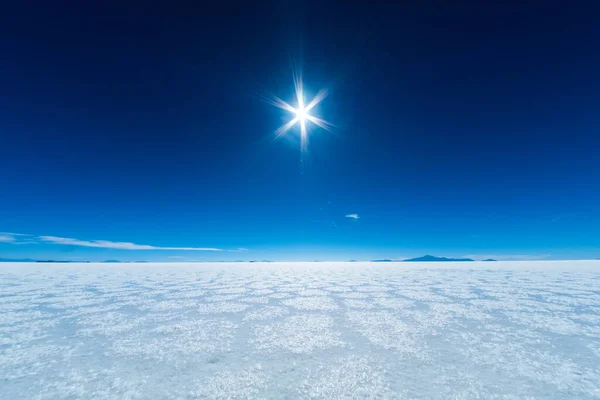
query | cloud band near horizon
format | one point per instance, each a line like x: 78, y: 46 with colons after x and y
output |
x: 15, y: 238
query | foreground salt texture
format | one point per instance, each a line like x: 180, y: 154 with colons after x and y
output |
x: 300, y: 331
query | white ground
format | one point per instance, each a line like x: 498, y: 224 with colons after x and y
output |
x: 527, y: 330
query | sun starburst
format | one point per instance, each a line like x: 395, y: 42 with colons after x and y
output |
x: 301, y: 112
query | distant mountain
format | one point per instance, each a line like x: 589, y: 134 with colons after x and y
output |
x: 39, y: 261
x: 490, y: 259
x: 429, y: 258
x: 111, y: 261
x: 381, y: 260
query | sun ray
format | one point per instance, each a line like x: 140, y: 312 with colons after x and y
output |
x: 303, y: 136
x: 319, y: 122
x: 317, y: 99
x: 283, y: 129
x: 299, y: 89
x: 277, y: 102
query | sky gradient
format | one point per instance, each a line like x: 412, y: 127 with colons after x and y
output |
x: 463, y: 131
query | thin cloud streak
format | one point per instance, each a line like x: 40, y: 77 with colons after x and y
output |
x: 238, y: 250
x: 21, y: 238
x: 16, y: 238
x: 7, y: 239
x: 105, y: 244
x: 352, y: 216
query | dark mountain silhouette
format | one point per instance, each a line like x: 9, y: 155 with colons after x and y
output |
x: 17, y: 260
x: 381, y: 260
x: 429, y: 258
x: 490, y: 259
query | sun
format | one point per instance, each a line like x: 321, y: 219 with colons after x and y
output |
x: 301, y: 112
x: 301, y: 115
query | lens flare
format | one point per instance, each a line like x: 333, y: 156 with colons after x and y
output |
x: 301, y: 112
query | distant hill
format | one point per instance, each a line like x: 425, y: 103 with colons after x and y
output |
x: 490, y: 259
x: 429, y: 258
x: 381, y: 260
x: 39, y: 261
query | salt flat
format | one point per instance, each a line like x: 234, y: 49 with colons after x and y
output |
x: 505, y: 330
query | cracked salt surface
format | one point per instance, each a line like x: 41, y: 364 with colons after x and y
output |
x: 520, y: 330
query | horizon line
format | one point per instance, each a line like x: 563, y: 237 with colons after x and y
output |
x: 41, y: 261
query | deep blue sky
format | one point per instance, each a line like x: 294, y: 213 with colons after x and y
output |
x: 460, y: 130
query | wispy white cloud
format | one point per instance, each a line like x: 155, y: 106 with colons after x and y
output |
x: 7, y: 239
x: 16, y: 238
x: 20, y: 238
x: 238, y: 250
x: 352, y: 216
x: 105, y: 244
